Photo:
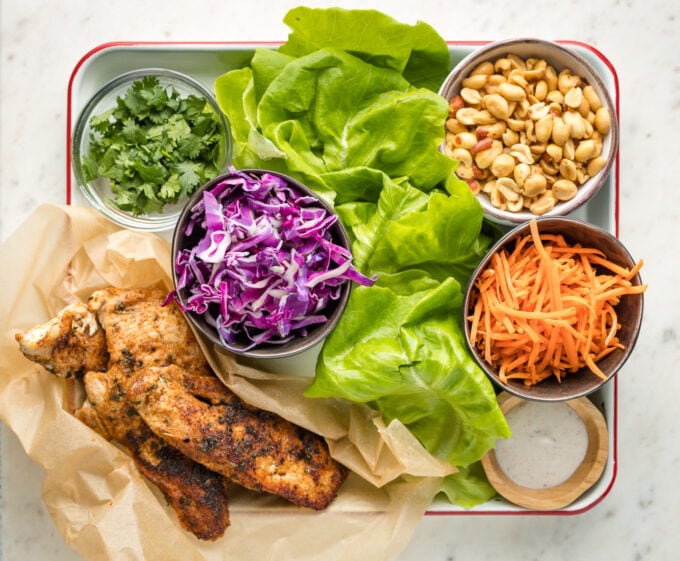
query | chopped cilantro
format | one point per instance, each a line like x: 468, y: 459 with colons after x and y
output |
x: 154, y: 146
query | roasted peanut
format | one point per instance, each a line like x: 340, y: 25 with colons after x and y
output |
x: 485, y: 67
x: 464, y: 140
x: 508, y: 188
x: 497, y: 199
x: 497, y: 105
x: 564, y: 190
x: 572, y: 98
x: 516, y: 124
x: 512, y: 92
x: 543, y: 128
x: 538, y: 110
x: 576, y: 124
x: 502, y: 65
x: 454, y: 126
x: 526, y: 135
x: 554, y: 96
x: 544, y: 203
x: 521, y: 172
x: 555, y: 152
x: 593, y: 99
x: 561, y: 131
x: 581, y: 175
x: 522, y: 153
x: 464, y: 172
x: 471, y: 96
x: 466, y: 115
x: 463, y: 156
x: 483, y: 143
x: 568, y: 169
x: 483, y: 117
x: 484, y: 158
x: 474, y: 185
x: 566, y: 81
x: 541, y: 90
x: 602, y: 120
x: 475, y: 81
x: 595, y: 165
x: 503, y: 165
x: 548, y: 167
x: 456, y: 103
x: 496, y: 130
x: 517, y: 62
x: 516, y: 206
x: 586, y: 150
x: 534, y: 185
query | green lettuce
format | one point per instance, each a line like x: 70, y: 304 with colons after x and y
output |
x: 416, y: 51
x: 348, y: 106
x: 311, y: 108
x: 399, y: 345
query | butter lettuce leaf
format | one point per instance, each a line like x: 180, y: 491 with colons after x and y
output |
x: 416, y: 51
x: 468, y: 487
x: 307, y: 111
x: 404, y: 353
x: 329, y: 111
x: 400, y: 345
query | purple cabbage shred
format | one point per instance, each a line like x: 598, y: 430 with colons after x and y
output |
x: 266, y: 267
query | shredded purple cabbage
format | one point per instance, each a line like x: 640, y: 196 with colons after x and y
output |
x: 265, y: 268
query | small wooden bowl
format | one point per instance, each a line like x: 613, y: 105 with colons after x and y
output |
x: 565, y: 493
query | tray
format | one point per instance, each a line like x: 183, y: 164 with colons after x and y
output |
x: 206, y: 61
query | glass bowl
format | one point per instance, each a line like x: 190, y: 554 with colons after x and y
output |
x: 98, y: 190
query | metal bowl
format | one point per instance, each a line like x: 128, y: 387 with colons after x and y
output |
x: 186, y: 239
x: 97, y: 191
x: 558, y: 57
x: 629, y: 312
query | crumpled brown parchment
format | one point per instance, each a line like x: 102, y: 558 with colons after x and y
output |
x: 103, y: 507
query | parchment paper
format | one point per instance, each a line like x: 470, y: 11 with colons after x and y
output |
x: 99, y: 502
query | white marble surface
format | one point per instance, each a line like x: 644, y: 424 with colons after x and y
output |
x: 41, y: 41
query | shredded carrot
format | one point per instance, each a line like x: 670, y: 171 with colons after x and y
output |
x: 548, y: 308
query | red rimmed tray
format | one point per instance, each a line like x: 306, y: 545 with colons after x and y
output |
x: 206, y: 61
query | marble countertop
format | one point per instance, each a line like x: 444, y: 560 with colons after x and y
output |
x: 41, y: 42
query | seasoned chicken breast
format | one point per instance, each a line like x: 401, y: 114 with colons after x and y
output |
x: 151, y: 390
x: 141, y: 331
x: 68, y: 345
x: 259, y: 450
x: 102, y: 343
x: 197, y: 494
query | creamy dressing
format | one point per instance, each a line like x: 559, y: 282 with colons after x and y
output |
x: 548, y: 443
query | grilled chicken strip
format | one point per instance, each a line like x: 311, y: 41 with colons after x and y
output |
x: 141, y: 332
x: 197, y: 494
x: 259, y: 450
x: 68, y: 345
x: 121, y: 330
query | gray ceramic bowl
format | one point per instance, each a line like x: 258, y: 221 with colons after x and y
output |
x: 559, y: 57
x: 629, y: 311
x: 315, y: 333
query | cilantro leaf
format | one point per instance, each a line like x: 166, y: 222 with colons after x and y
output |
x: 154, y: 146
x: 189, y: 175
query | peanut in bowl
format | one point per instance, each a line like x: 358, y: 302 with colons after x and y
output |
x: 532, y: 126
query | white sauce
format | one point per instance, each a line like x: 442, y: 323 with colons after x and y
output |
x: 548, y: 443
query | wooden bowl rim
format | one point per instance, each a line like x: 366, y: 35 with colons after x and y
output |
x: 584, y: 477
